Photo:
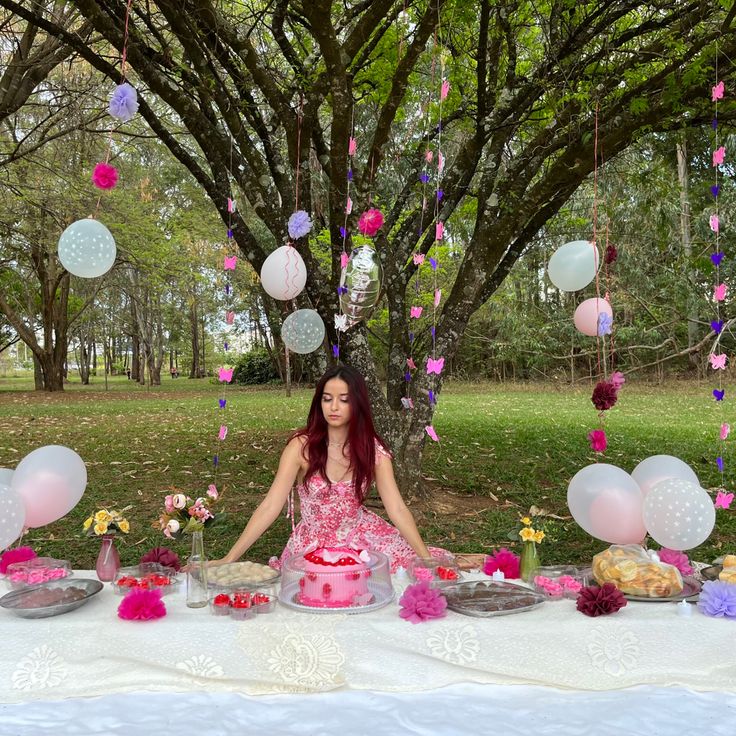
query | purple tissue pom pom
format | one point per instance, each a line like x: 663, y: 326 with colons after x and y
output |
x: 718, y: 599
x: 299, y: 225
x: 123, y: 102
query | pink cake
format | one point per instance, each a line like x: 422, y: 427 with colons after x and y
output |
x: 335, y: 577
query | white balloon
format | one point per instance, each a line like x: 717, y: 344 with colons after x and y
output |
x: 87, y: 249
x: 283, y: 274
x: 303, y: 331
x: 679, y: 514
x: 6, y: 476
x: 12, y: 515
x: 50, y: 481
x: 573, y: 265
x: 607, y: 503
x: 657, y: 468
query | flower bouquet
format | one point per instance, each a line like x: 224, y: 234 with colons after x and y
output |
x: 106, y: 522
x: 184, y: 515
x: 531, y: 532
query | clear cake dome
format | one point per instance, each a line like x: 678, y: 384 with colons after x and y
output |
x: 336, y: 579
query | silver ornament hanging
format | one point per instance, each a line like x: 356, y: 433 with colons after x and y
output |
x: 360, y: 284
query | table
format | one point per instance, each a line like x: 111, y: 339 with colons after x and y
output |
x: 563, y: 666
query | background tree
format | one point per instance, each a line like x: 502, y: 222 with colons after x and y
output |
x: 268, y: 90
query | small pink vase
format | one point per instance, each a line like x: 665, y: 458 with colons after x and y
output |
x: 108, y: 561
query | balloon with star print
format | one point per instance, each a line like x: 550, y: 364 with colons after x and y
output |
x: 12, y: 515
x: 678, y: 514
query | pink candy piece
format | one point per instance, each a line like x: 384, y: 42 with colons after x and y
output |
x: 423, y: 573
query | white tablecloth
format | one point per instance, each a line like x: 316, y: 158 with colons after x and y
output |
x: 90, y: 652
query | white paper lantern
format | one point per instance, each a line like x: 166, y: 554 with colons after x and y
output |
x: 573, y: 265
x: 87, y: 249
x: 303, y: 331
x: 283, y: 274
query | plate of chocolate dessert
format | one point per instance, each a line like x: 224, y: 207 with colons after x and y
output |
x: 52, y: 598
x: 483, y: 598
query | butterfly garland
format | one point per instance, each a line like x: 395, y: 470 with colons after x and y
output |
x: 718, y: 360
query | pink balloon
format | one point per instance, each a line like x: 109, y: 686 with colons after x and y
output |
x: 50, y: 481
x: 616, y: 517
x: 586, y: 315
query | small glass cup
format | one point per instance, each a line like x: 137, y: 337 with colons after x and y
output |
x: 264, y: 601
x: 221, y: 604
x: 242, y: 605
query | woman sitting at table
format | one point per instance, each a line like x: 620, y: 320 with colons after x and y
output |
x: 335, y: 459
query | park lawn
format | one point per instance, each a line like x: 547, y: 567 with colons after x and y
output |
x: 502, y: 450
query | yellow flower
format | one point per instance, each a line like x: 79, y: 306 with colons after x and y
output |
x: 526, y: 520
x: 538, y: 536
x: 103, y: 516
x: 87, y: 523
x: 527, y: 534
x: 101, y: 527
x: 124, y: 526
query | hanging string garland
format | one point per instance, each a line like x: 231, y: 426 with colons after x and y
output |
x: 226, y: 372
x: 435, y: 365
x: 341, y: 319
x: 716, y: 358
x: 87, y: 248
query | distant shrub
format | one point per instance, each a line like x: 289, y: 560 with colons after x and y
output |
x: 254, y: 367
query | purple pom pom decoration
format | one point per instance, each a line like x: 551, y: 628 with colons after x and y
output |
x: 718, y: 599
x: 123, y: 102
x: 422, y: 603
x: 299, y: 225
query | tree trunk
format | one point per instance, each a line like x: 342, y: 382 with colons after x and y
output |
x: 684, y: 181
x: 194, y: 331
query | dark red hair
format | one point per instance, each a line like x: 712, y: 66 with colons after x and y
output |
x: 362, y: 436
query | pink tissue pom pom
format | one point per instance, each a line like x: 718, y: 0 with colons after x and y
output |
x: 598, y: 440
x: 421, y: 603
x: 370, y: 222
x: 142, y: 605
x: 164, y: 556
x: 104, y: 176
x: 676, y: 559
x: 505, y: 561
x: 19, y: 554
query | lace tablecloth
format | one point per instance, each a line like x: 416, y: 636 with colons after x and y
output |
x: 91, y: 652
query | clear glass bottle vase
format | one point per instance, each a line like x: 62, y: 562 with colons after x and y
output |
x: 197, y: 573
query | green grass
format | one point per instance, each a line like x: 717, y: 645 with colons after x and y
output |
x: 502, y: 450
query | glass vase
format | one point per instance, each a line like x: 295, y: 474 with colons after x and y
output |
x: 529, y: 561
x: 197, y: 573
x: 108, y: 560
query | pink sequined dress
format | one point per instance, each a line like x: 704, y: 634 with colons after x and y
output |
x: 331, y: 517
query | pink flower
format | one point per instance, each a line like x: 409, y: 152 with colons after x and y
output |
x: 142, y: 605
x: 676, y: 559
x: 617, y: 380
x: 104, y: 176
x: 212, y: 491
x: 164, y: 556
x: 505, y: 561
x: 598, y: 440
x: 19, y: 554
x: 352, y: 147
x: 421, y: 603
x: 169, y: 504
x: 370, y: 222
